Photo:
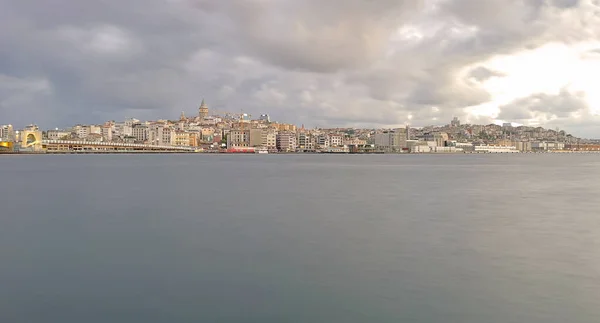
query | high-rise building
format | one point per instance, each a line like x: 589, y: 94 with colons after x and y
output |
x: 203, y: 110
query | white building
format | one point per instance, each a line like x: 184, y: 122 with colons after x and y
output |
x: 140, y: 132
x: 94, y: 129
x: 7, y: 133
x: 168, y: 136
x: 336, y: 140
x: 270, y: 140
x: 57, y: 134
x: 82, y: 131
x: 123, y: 129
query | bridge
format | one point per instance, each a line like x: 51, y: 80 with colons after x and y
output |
x: 78, y: 146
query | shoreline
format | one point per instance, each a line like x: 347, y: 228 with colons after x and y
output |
x: 285, y: 153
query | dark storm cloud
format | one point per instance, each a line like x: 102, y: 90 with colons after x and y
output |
x: 325, y: 62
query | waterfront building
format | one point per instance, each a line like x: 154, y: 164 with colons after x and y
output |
x: 30, y: 139
x: 270, y: 139
x: 416, y: 146
x: 523, y: 146
x: 305, y: 141
x: 286, y: 142
x: 391, y: 140
x: 182, y: 138
x: 238, y: 138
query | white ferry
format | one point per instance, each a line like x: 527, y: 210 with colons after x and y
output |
x: 496, y: 149
x: 262, y: 150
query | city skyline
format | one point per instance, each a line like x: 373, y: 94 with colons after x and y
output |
x: 351, y: 63
x: 203, y: 112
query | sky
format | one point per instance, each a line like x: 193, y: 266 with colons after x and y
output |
x: 326, y: 63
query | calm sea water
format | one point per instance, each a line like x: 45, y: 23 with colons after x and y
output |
x: 300, y: 238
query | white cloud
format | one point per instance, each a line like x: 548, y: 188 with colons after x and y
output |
x: 99, y: 40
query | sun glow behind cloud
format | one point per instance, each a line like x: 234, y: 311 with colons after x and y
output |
x: 548, y: 70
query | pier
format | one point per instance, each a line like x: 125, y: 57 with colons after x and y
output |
x: 77, y: 146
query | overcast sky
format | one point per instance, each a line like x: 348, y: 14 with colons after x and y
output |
x: 371, y: 63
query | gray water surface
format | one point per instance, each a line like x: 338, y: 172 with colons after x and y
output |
x: 300, y: 238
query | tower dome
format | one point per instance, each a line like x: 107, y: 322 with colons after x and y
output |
x: 203, y: 110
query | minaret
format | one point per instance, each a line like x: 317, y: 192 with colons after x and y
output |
x: 182, y: 117
x: 203, y: 110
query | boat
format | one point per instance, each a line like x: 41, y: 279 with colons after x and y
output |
x: 241, y: 150
x: 262, y: 151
